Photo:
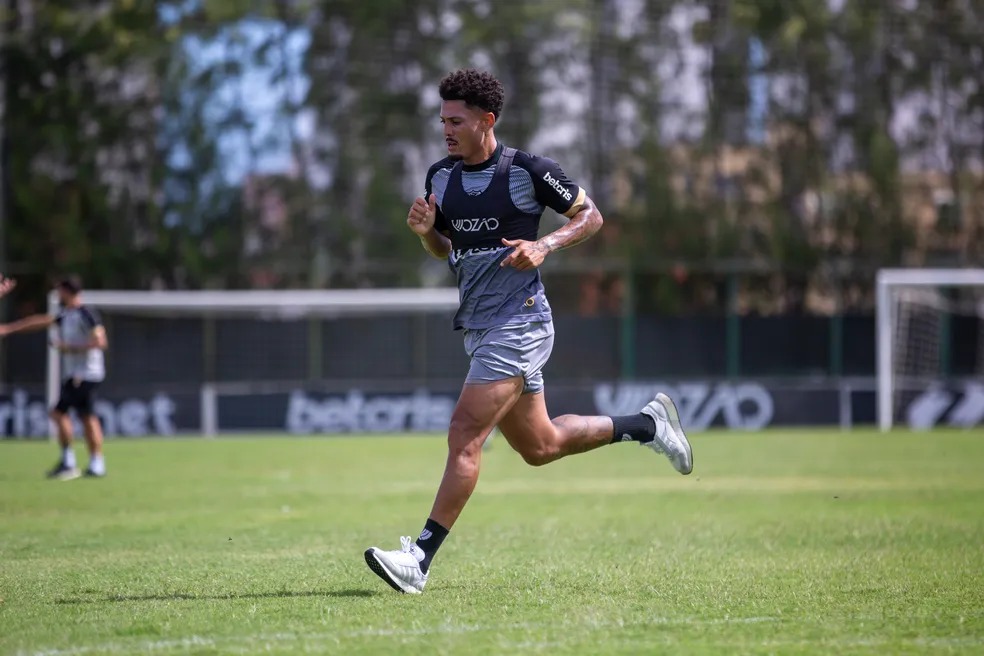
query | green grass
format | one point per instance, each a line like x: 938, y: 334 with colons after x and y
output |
x: 782, y: 542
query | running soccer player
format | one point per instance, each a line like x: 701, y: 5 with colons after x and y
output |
x: 481, y: 210
x: 82, y: 340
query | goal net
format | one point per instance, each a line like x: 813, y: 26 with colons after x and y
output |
x: 333, y: 361
x: 930, y: 345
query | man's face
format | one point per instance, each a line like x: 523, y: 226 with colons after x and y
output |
x: 64, y: 296
x: 464, y: 127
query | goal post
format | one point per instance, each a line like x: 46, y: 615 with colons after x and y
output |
x: 311, y: 322
x: 909, y: 301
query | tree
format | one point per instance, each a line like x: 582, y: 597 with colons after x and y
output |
x: 81, y: 96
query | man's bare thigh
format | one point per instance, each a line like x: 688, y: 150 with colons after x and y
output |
x: 527, y: 423
x: 483, y: 405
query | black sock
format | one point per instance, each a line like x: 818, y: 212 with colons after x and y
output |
x: 638, y: 428
x: 430, y: 541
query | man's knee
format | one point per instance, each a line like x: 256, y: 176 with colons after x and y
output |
x: 464, y: 459
x: 537, y: 448
x: 464, y: 442
x: 467, y: 431
x: 538, y: 455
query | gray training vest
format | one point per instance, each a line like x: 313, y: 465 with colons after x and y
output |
x: 491, y: 295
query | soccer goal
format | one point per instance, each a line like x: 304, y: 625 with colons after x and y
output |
x: 930, y: 347
x: 303, y: 361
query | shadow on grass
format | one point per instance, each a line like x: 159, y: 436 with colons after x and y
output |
x: 230, y: 596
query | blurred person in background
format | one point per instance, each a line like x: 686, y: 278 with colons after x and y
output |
x: 81, y: 342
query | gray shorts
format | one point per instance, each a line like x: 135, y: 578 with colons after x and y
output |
x: 518, y: 349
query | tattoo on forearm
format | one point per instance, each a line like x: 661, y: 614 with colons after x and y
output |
x: 579, y: 229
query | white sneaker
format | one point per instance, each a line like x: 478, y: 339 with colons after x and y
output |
x: 401, y: 569
x: 62, y: 472
x: 670, y: 440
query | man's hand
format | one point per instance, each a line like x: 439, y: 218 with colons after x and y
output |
x: 6, y: 285
x: 4, y: 330
x: 526, y: 254
x: 422, y: 215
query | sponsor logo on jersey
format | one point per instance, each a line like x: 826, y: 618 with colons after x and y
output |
x: 475, y: 225
x: 557, y: 186
x: 460, y: 253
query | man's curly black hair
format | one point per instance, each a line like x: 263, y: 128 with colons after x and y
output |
x: 477, y: 88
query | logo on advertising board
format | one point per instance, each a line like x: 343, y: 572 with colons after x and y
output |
x: 937, y: 406
x: 24, y: 417
x: 741, y: 406
x: 356, y: 412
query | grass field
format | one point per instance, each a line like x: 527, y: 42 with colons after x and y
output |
x: 782, y: 542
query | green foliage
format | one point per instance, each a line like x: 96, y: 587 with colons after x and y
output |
x: 79, y: 141
x: 120, y: 117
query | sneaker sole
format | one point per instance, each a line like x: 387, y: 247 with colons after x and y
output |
x: 380, y: 571
x: 67, y: 476
x: 674, y: 417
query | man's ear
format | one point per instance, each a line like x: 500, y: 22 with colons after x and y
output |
x: 489, y: 120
